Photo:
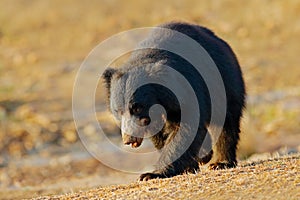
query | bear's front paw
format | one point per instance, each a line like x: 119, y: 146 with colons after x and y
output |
x: 149, y: 176
x: 222, y: 165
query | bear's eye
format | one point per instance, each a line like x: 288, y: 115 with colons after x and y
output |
x: 118, y: 112
x: 136, y: 108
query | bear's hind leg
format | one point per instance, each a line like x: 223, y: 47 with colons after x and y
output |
x: 225, y: 146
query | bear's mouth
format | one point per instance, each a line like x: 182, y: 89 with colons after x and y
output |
x: 133, y: 141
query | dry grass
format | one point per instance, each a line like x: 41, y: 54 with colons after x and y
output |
x: 276, y: 178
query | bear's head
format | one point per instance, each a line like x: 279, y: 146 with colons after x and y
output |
x: 142, y: 109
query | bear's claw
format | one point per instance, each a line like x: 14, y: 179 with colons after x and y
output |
x: 221, y: 165
x: 149, y: 176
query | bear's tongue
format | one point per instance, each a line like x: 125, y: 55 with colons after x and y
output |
x: 134, y: 141
x: 134, y: 145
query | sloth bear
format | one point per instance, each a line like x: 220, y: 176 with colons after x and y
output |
x: 131, y: 102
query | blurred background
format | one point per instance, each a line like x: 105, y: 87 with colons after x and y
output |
x: 43, y: 43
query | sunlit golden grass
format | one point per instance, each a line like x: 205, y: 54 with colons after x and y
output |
x: 276, y: 178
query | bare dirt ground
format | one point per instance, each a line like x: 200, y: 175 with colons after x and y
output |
x: 43, y: 43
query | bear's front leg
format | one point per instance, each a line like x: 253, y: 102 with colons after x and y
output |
x: 177, y: 158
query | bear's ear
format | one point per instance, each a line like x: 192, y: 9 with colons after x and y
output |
x: 107, y: 75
